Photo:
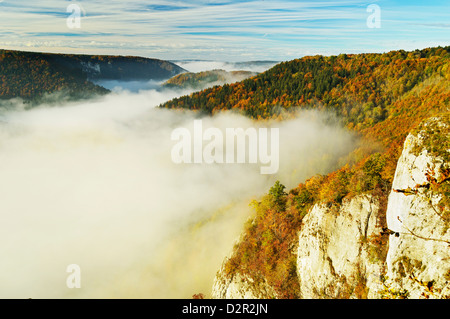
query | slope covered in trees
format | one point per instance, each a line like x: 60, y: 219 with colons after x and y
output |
x: 203, y: 79
x: 380, y: 96
x: 29, y: 75
x: 359, y: 87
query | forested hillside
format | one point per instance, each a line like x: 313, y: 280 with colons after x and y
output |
x: 207, y: 78
x: 380, y: 96
x: 338, y: 82
x: 30, y: 75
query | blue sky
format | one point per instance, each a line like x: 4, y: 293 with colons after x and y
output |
x: 225, y: 30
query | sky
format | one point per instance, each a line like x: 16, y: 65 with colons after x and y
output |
x: 223, y: 30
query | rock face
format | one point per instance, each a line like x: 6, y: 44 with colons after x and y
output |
x: 418, y: 259
x: 240, y: 287
x: 337, y: 257
x: 362, y: 250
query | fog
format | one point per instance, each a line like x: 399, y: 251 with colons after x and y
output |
x: 93, y: 183
x: 135, y: 86
x: 198, y: 66
x: 131, y: 86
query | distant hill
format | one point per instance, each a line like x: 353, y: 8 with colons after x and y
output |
x: 203, y: 79
x: 30, y: 75
x: 208, y: 65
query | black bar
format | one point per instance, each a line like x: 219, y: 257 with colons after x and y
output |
x: 208, y: 308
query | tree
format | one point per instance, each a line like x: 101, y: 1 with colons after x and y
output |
x: 278, y: 196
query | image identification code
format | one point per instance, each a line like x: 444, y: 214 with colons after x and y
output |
x: 239, y: 308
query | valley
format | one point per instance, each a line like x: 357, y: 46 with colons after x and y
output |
x: 91, y: 165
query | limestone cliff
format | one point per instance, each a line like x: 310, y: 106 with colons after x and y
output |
x: 418, y: 260
x: 362, y: 249
x: 337, y: 254
x: 240, y: 287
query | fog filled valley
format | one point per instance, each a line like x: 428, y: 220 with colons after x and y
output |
x: 128, y: 177
x: 92, y: 183
x: 218, y: 152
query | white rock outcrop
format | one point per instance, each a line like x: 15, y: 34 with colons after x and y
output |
x: 418, y: 258
x: 239, y: 287
x: 335, y: 258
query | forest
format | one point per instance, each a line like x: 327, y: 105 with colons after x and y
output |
x: 205, y: 78
x: 31, y: 75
